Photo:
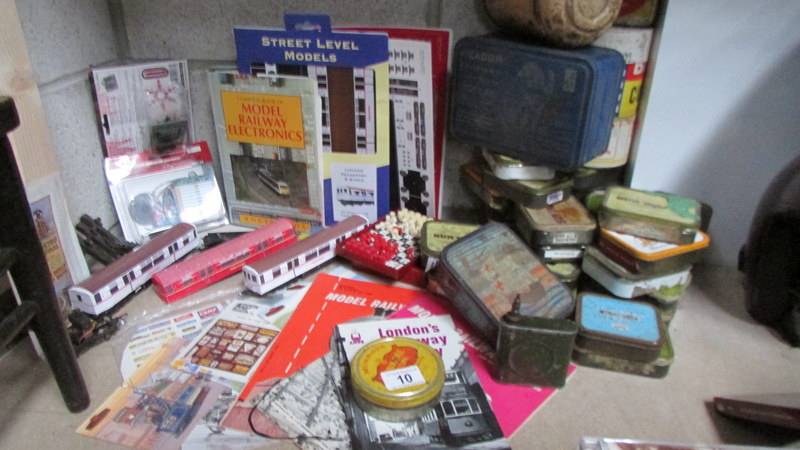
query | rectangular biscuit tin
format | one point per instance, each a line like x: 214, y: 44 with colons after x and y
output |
x: 534, y: 350
x: 648, y: 257
x: 563, y: 223
x: 618, y: 328
x: 654, y: 215
x: 507, y: 168
x: 656, y: 369
x: 531, y: 193
x: 623, y: 284
x: 541, y: 105
x: 436, y: 234
x: 486, y: 271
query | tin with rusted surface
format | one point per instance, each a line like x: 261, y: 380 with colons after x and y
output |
x: 654, y: 215
x: 563, y: 223
x: 620, y: 282
x: 655, y: 369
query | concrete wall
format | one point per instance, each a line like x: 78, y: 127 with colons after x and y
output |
x: 722, y: 110
x: 64, y: 38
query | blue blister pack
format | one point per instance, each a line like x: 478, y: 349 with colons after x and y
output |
x: 541, y: 105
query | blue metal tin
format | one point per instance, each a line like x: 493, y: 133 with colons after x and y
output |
x: 619, y: 328
x: 541, y: 105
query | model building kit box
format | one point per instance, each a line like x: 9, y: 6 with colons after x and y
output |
x: 142, y: 106
x: 351, y: 73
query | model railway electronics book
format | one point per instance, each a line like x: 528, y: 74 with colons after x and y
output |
x: 268, y: 143
x: 351, y: 73
x: 462, y: 416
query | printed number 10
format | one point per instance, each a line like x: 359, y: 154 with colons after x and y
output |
x: 405, y: 378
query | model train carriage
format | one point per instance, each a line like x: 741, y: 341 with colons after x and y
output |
x: 281, y: 267
x: 222, y: 261
x: 109, y: 286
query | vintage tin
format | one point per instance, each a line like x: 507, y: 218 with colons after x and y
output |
x: 654, y: 215
x: 436, y: 234
x: 564, y: 223
x: 559, y: 253
x: 409, y: 399
x: 540, y: 105
x: 618, y: 328
x: 618, y: 148
x: 507, y: 168
x: 567, y: 272
x: 588, y: 179
x: 472, y: 175
x: 484, y: 272
x: 531, y: 193
x: 623, y: 284
x: 594, y: 200
x: 534, y: 350
x: 648, y: 257
x: 656, y: 369
x: 634, y: 45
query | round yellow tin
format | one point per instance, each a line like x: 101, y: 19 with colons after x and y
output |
x: 397, y: 378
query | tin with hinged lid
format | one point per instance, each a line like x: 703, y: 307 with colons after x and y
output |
x: 655, y: 369
x: 484, y: 272
x: 534, y: 350
x: 618, y: 328
x: 648, y: 257
x: 654, y: 215
x: 563, y: 223
x: 620, y: 282
x: 531, y: 193
x: 436, y: 235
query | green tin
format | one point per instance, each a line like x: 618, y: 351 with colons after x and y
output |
x: 534, y: 350
x: 656, y: 369
x: 654, y: 215
x: 436, y: 235
x: 531, y: 193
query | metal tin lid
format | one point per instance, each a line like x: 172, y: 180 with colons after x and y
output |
x: 568, y: 215
x: 620, y: 271
x: 618, y: 320
x: 650, y: 250
x: 565, y: 271
x: 397, y: 373
x: 495, y: 267
x: 436, y: 234
x: 658, y: 206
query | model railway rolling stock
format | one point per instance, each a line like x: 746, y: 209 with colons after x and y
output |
x: 222, y: 261
x: 119, y: 279
x: 268, y: 273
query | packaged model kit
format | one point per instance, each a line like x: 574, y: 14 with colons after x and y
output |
x: 618, y: 328
x: 648, y: 257
x: 268, y: 144
x: 623, y: 284
x: 654, y: 215
x: 563, y: 223
x: 534, y: 350
x: 530, y: 193
x: 351, y: 73
x: 507, y: 168
x: 541, y: 105
x: 486, y: 271
x: 655, y: 369
x: 153, y: 191
x: 436, y: 235
x: 143, y: 106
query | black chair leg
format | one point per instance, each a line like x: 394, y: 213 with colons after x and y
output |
x: 30, y: 272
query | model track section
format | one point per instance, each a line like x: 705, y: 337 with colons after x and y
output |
x: 222, y: 261
x: 281, y: 267
x: 113, y: 283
